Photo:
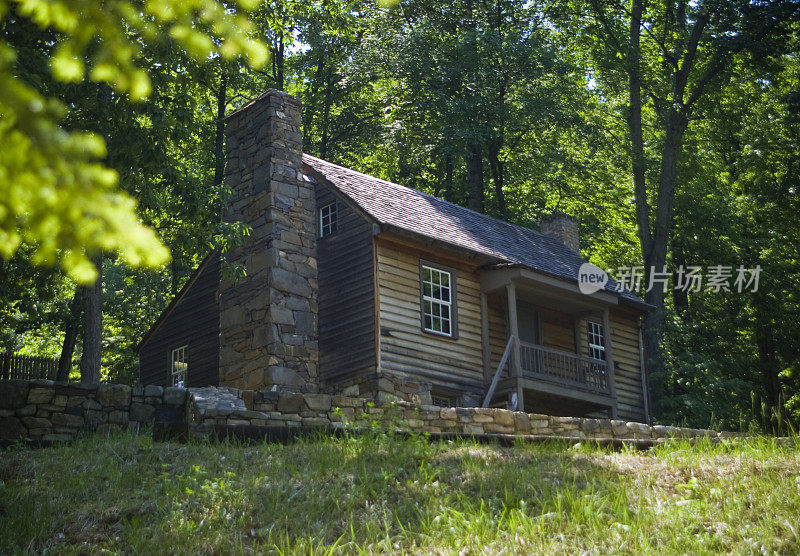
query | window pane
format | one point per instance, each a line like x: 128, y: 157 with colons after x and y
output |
x: 437, y: 296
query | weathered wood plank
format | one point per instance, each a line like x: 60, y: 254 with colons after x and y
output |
x: 194, y: 322
x: 347, y: 332
x: 405, y: 348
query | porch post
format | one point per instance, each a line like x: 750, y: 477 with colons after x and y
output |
x: 610, y: 361
x: 513, y: 326
x: 487, y: 348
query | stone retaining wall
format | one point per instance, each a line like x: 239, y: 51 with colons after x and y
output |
x: 213, y: 407
x: 43, y: 411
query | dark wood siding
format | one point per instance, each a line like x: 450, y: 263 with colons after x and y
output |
x: 193, y: 322
x: 347, y: 345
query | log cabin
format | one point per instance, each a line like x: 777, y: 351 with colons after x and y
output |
x: 361, y: 286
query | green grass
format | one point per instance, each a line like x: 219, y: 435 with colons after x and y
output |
x: 377, y: 494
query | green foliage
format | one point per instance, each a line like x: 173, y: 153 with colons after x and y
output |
x: 365, y: 494
x: 55, y: 193
x: 403, y: 92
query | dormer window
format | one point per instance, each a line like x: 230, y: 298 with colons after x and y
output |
x: 327, y: 220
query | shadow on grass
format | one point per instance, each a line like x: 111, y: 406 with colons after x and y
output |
x: 371, y: 493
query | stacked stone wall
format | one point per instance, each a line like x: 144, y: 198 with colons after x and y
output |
x: 211, y: 408
x: 44, y: 411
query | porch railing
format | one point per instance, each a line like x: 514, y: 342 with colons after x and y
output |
x: 561, y: 367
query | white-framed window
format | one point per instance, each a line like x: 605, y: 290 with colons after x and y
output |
x: 179, y: 366
x: 438, y: 300
x: 327, y: 219
x: 597, y: 340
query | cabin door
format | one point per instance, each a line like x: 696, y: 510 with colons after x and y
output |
x: 529, y: 333
x: 528, y: 323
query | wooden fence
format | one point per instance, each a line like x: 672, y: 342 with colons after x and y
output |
x: 26, y: 367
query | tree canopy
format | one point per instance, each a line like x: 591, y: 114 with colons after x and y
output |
x: 671, y: 129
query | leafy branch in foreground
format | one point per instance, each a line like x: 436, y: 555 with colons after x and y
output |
x: 55, y: 193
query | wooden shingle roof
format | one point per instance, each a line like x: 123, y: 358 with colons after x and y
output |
x: 402, y: 208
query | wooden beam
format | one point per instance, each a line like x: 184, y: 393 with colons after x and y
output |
x: 506, y: 354
x: 513, y: 328
x: 602, y: 296
x: 492, y: 280
x: 610, y: 361
x: 645, y: 386
x: 543, y: 387
x: 487, y: 347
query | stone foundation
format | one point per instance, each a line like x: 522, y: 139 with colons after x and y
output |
x: 388, y: 388
x: 212, y: 407
x: 43, y: 411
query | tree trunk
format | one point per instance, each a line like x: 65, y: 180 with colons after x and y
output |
x: 219, y: 138
x: 475, y: 177
x: 496, y: 167
x: 71, y: 325
x: 309, y: 106
x: 654, y: 242
x: 638, y: 164
x: 448, y: 177
x: 656, y: 256
x: 174, y: 276
x: 279, y: 62
x: 768, y: 364
x: 680, y: 297
x: 326, y: 112
x: 93, y: 326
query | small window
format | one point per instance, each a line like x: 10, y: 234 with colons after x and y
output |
x: 441, y: 400
x: 179, y: 367
x: 597, y: 341
x: 327, y: 220
x: 438, y: 300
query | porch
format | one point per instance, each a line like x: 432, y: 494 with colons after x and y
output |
x: 557, y: 356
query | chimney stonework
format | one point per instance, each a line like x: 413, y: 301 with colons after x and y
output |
x: 564, y: 228
x: 268, y: 319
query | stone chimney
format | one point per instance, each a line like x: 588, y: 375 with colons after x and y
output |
x: 268, y: 319
x: 564, y: 228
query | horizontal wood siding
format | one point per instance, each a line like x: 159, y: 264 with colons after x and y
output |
x: 193, y: 322
x: 558, y: 330
x: 446, y: 363
x: 627, y: 370
x: 346, y: 295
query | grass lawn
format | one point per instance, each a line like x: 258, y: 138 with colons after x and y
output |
x: 378, y: 494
